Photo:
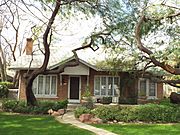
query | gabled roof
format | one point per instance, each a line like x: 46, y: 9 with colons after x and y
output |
x: 56, y: 59
x: 70, y: 59
x: 28, y: 61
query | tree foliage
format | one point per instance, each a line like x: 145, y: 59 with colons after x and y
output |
x: 146, y: 31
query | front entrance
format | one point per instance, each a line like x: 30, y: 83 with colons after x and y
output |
x: 74, y: 89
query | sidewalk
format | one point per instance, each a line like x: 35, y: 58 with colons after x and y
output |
x: 69, y: 118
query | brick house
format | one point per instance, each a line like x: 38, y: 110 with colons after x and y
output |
x: 72, y: 83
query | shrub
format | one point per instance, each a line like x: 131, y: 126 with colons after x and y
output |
x: 9, y: 105
x: 8, y: 84
x: 127, y: 114
x: 106, y: 100
x: 81, y: 110
x: 3, y: 91
x: 158, y: 113
x: 88, y: 103
x: 146, y: 113
x: 123, y: 100
x: 42, y: 108
x: 106, y: 113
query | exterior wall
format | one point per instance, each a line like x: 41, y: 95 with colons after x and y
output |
x: 22, y: 86
x: 83, y: 84
x: 62, y: 87
x: 160, y: 90
x: 91, y: 78
x: 128, y: 85
x: 159, y: 95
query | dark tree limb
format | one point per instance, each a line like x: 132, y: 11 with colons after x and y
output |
x: 31, y: 100
x: 166, y: 67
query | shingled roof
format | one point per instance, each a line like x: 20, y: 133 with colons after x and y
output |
x: 58, y: 56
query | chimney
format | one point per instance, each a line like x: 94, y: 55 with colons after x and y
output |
x: 29, y: 46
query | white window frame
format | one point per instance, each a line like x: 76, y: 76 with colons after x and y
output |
x: 43, y: 95
x: 147, y: 88
x: 106, y: 95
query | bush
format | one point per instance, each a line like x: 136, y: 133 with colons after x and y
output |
x: 106, y: 113
x: 118, y: 113
x: 3, y: 91
x: 42, y: 108
x: 127, y: 114
x: 88, y: 103
x: 146, y: 113
x: 81, y: 110
x: 123, y: 100
x: 106, y: 100
x: 8, y: 84
x: 158, y: 113
x: 9, y: 105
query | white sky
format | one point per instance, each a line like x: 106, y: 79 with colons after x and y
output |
x: 72, y: 36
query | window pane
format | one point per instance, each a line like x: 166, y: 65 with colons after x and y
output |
x: 47, y: 85
x: 152, y: 89
x: 34, y: 87
x: 97, y: 86
x: 110, y: 86
x: 40, y: 85
x: 142, y: 91
x: 103, y: 85
x: 116, y: 86
x: 53, y: 85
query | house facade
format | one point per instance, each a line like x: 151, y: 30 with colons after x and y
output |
x: 72, y: 83
x: 123, y: 87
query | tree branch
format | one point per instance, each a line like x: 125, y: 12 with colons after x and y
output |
x: 164, y: 66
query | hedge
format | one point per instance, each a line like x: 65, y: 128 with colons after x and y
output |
x: 3, y: 91
x: 8, y: 84
x: 42, y: 108
x: 81, y: 110
x: 4, y: 86
x: 146, y: 113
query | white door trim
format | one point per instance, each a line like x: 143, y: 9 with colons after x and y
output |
x: 74, y: 100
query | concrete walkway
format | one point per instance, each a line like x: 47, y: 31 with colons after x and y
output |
x: 69, y: 118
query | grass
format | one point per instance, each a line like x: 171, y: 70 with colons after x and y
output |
x: 11, y: 124
x: 142, y: 129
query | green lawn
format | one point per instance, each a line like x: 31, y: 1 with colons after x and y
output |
x: 11, y: 124
x: 142, y: 129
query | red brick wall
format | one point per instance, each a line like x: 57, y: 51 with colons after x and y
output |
x: 83, y: 84
x: 62, y: 87
x: 160, y: 90
x: 130, y: 89
x: 22, y: 93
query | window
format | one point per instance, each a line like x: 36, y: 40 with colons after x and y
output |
x: 106, y: 86
x: 45, y: 86
x: 147, y: 87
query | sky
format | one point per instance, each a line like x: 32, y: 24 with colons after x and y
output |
x: 70, y: 32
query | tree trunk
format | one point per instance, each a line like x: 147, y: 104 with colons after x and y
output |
x: 31, y: 100
x: 2, y: 64
x: 3, y: 74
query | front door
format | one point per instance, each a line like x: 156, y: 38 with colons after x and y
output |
x: 74, y: 88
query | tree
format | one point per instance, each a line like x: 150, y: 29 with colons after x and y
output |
x: 11, y: 46
x: 146, y: 32
x: 30, y: 76
x: 14, y: 8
